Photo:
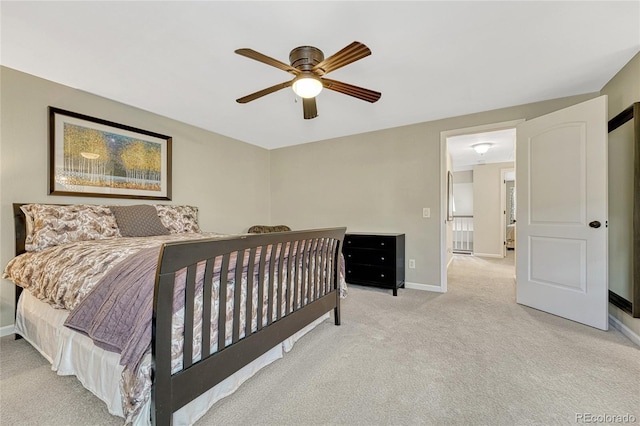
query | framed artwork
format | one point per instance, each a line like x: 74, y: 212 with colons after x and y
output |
x: 91, y: 157
x: 449, y: 196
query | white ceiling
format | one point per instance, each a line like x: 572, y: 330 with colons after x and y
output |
x: 430, y: 59
x: 464, y: 157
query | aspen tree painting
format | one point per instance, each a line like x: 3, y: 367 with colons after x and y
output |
x: 94, y: 157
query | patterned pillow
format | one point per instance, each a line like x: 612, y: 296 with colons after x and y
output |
x: 178, y: 219
x: 138, y: 221
x: 55, y: 225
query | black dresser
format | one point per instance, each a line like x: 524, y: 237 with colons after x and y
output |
x: 375, y: 259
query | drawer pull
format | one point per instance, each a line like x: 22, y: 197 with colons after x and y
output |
x: 382, y: 258
x: 381, y: 275
x: 348, y: 255
x: 381, y: 244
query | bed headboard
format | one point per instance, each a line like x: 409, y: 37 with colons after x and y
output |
x: 20, y: 223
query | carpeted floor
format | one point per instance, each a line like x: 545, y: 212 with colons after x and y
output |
x: 470, y: 356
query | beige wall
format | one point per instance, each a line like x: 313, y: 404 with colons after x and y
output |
x: 370, y: 182
x: 380, y: 181
x: 465, y: 176
x: 620, y: 151
x: 487, y: 209
x: 463, y: 195
x: 227, y: 179
x: 463, y: 192
x: 623, y: 90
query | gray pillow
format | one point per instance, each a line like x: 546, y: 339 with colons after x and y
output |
x: 138, y: 221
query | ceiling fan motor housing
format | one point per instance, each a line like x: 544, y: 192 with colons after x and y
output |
x: 304, y: 58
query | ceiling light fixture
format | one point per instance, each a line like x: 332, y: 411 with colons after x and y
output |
x: 481, y: 148
x: 307, y: 85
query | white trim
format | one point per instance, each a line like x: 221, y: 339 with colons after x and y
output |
x: 443, y: 183
x: 449, y: 262
x: 488, y: 255
x: 503, y: 207
x: 443, y: 212
x: 482, y: 129
x: 6, y: 330
x: 618, y: 325
x: 424, y: 287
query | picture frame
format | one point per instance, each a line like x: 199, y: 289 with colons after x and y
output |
x: 92, y: 157
x: 449, y: 196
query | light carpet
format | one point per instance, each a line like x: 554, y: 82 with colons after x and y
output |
x: 470, y: 356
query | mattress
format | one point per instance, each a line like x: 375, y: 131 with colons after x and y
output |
x: 72, y: 353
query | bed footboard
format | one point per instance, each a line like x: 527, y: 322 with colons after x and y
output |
x: 292, y: 275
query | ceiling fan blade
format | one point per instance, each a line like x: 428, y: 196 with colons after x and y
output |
x: 309, y: 108
x: 349, y: 54
x: 252, y: 54
x: 351, y: 90
x: 263, y: 92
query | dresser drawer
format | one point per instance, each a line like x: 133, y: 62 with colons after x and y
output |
x: 375, y: 260
x: 369, y: 241
x: 370, y: 275
x: 382, y: 257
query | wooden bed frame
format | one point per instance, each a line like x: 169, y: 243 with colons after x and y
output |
x: 170, y: 392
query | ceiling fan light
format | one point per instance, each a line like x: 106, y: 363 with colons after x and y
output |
x: 307, y: 86
x: 481, y: 148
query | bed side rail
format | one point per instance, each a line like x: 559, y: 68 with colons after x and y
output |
x: 296, y: 274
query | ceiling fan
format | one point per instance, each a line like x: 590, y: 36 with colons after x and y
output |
x: 309, y: 66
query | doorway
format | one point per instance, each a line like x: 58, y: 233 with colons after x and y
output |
x: 562, y: 255
x: 508, y: 199
x: 477, y: 225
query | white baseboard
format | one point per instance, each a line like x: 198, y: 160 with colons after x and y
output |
x: 6, y: 330
x: 424, y: 287
x: 615, y: 323
x: 488, y: 255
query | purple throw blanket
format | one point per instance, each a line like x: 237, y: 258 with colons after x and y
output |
x: 117, y: 313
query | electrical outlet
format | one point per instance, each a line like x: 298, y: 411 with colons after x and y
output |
x: 412, y: 264
x: 426, y: 212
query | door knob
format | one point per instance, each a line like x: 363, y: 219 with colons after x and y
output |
x: 595, y: 224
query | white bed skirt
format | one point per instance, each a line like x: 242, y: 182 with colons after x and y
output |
x: 72, y: 353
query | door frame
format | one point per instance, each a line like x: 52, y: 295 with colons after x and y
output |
x: 503, y: 206
x: 443, y: 183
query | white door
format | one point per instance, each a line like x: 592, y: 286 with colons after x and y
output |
x: 561, y: 170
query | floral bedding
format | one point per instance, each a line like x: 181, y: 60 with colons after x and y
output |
x: 62, y: 275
